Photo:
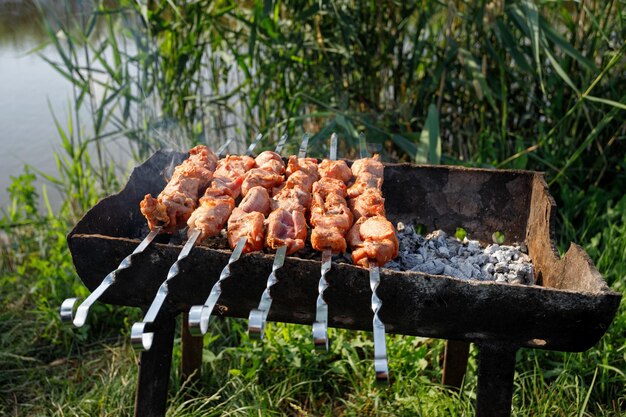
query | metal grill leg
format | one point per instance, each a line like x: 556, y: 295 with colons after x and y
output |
x: 455, y: 363
x: 154, y: 371
x: 496, y: 367
x: 192, y: 351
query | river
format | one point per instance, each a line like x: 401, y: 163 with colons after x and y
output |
x: 31, y: 91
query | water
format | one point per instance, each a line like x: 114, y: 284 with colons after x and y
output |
x: 30, y: 92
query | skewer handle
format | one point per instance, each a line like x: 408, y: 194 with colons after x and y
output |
x: 140, y: 336
x: 222, y: 149
x: 303, y: 146
x: 381, y: 365
x: 78, y: 316
x: 257, y: 319
x: 281, y: 143
x: 320, y: 327
x: 255, y: 142
x: 199, y: 316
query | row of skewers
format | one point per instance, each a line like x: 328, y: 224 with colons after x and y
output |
x: 342, y: 205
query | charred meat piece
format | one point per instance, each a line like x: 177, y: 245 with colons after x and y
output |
x: 373, y: 238
x: 246, y: 225
x: 286, y: 228
x: 179, y: 198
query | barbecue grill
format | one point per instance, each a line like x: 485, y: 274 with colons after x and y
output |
x: 569, y: 309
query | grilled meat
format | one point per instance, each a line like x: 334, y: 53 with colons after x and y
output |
x: 373, y: 238
x: 286, y: 228
x: 179, y: 198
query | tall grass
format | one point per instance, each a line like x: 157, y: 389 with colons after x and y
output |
x: 534, y: 85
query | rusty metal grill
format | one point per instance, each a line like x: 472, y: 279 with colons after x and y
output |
x: 569, y: 310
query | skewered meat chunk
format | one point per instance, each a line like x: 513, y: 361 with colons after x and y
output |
x: 299, y: 179
x: 229, y: 174
x: 179, y: 198
x: 265, y: 178
x: 335, y: 169
x: 365, y: 181
x: 373, y: 238
x: 270, y: 161
x: 292, y: 199
x: 372, y: 166
x: 307, y: 165
x: 333, y: 212
x: 246, y: 225
x: 328, y: 186
x: 333, y: 239
x: 370, y: 203
x: 212, y: 214
x: 257, y: 199
x: 286, y: 228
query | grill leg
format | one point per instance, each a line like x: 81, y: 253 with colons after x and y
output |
x: 455, y: 363
x: 154, y: 371
x: 496, y: 367
x: 192, y: 351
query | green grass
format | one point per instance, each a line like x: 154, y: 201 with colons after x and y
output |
x: 531, y: 85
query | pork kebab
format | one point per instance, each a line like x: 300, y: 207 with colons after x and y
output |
x: 286, y: 226
x: 246, y: 227
x: 206, y: 220
x: 330, y: 219
x: 167, y: 213
x: 372, y: 240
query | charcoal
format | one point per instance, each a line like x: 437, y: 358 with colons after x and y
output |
x: 441, y: 254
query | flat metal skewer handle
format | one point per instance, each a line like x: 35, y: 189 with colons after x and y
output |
x: 199, y: 316
x: 303, y: 146
x: 80, y: 317
x: 381, y: 365
x: 320, y: 326
x: 255, y: 142
x: 140, y: 336
x: 281, y: 143
x: 258, y: 317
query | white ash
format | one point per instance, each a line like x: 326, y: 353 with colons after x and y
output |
x: 440, y: 254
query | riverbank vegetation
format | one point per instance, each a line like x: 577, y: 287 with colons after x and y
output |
x: 524, y: 85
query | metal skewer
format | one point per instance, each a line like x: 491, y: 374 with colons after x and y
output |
x: 320, y: 326
x: 200, y: 315
x: 78, y: 316
x: 381, y: 365
x: 257, y: 320
x: 140, y: 335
